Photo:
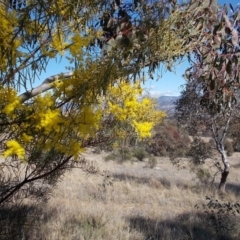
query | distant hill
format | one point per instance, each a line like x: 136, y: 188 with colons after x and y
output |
x: 166, y: 103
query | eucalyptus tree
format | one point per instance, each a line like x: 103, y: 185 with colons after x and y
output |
x: 212, y: 91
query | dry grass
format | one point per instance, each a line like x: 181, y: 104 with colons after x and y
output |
x: 129, y: 202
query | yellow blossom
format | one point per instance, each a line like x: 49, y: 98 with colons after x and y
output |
x: 8, y: 109
x: 26, y: 138
x: 143, y: 128
x: 14, y: 148
x: 125, y: 103
x: 49, y: 120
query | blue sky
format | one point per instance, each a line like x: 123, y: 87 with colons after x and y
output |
x: 168, y: 84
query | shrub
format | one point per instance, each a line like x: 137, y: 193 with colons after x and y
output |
x: 212, y: 143
x: 139, y: 153
x: 124, y: 154
x: 111, y: 156
x: 168, y: 140
x: 152, y: 162
x: 120, y: 155
x: 199, y: 151
x: 176, y: 152
x: 203, y: 175
x: 224, y: 217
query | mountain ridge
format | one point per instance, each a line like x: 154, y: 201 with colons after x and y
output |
x: 166, y: 103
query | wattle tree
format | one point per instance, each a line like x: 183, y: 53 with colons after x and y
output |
x: 105, y: 46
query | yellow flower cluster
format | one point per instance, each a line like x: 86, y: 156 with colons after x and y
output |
x: 8, y: 109
x: 8, y: 39
x: 9, y: 100
x: 89, y: 120
x: 65, y: 130
x: 58, y: 42
x: 125, y: 103
x: 40, y: 121
x: 14, y: 148
x: 26, y: 138
x: 123, y: 100
x: 78, y: 42
x: 143, y: 129
x: 72, y: 148
x: 49, y: 120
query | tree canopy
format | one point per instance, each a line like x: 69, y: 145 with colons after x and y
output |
x: 44, y: 129
x: 212, y: 91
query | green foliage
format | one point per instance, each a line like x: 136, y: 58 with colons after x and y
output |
x: 218, y: 76
x: 152, y: 162
x: 203, y: 175
x: 125, y: 154
x: 111, y: 156
x: 120, y: 155
x: 224, y: 217
x: 168, y: 140
x: 139, y: 153
x: 199, y: 151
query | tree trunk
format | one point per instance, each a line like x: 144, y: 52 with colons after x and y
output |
x: 223, y: 181
x: 226, y: 170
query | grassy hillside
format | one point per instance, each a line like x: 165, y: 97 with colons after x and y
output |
x: 131, y: 201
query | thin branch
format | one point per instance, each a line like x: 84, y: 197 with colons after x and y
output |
x: 226, y: 127
x: 23, y: 64
x: 25, y: 181
x: 214, y: 176
x: 213, y: 128
x: 45, y: 86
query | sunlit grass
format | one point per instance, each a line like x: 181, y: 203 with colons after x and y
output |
x: 130, y: 201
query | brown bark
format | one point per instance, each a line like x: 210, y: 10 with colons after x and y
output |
x: 223, y: 181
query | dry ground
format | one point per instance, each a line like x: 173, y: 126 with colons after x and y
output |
x: 130, y: 201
